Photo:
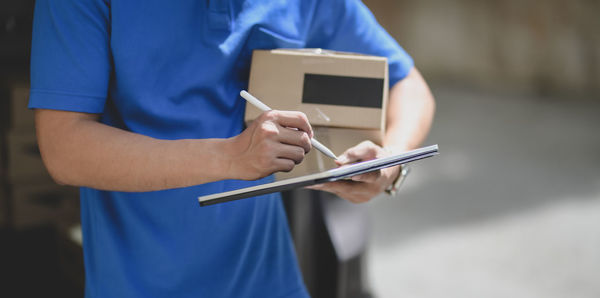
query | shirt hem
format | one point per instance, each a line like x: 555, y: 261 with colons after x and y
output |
x: 66, y: 101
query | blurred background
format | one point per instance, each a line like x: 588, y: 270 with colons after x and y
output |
x: 511, y: 207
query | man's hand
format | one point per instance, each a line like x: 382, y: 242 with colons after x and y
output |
x: 361, y: 188
x: 275, y: 141
x: 410, y: 113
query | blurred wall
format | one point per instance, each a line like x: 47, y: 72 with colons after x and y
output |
x: 16, y: 17
x: 545, y: 46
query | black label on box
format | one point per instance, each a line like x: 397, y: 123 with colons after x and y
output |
x: 342, y: 90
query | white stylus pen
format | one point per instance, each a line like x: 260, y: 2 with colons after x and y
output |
x: 263, y: 107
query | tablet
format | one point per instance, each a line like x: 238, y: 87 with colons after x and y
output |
x: 322, y: 177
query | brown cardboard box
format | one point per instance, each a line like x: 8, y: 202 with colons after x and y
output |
x: 344, y: 96
x: 333, y: 89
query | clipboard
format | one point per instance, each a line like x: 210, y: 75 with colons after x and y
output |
x: 322, y: 177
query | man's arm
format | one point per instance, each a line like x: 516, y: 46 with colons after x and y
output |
x: 410, y: 114
x: 78, y: 150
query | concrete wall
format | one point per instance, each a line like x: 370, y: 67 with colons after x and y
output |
x: 550, y: 46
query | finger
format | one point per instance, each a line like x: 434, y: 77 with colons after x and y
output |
x: 294, y: 153
x: 283, y: 165
x: 295, y: 138
x: 366, y: 150
x: 315, y: 187
x: 291, y: 119
x: 356, y: 192
x: 340, y: 188
x: 370, y: 177
x: 353, y: 191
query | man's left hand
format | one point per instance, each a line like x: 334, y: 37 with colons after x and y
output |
x: 361, y: 188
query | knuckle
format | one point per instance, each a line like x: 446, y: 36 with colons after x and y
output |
x: 305, y: 139
x: 268, y: 129
x: 273, y: 114
x: 299, y: 155
x: 350, y: 153
x: 288, y: 166
x: 268, y: 115
x: 302, y: 117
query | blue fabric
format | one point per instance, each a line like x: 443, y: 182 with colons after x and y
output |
x: 172, y: 70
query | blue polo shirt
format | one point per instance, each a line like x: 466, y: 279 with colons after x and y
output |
x: 173, y: 70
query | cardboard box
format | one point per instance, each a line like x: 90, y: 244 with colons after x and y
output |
x: 344, y: 96
x: 333, y: 89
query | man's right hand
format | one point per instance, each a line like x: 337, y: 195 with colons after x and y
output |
x: 276, y: 141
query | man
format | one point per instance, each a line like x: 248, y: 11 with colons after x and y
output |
x: 136, y: 102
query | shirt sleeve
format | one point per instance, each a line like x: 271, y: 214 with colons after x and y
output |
x: 348, y: 25
x: 70, y: 55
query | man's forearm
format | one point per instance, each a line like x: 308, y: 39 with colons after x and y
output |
x: 410, y: 113
x: 80, y: 151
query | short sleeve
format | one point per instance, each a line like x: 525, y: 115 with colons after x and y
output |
x: 348, y: 25
x: 70, y: 55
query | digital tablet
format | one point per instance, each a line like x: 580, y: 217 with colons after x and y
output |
x: 322, y: 177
